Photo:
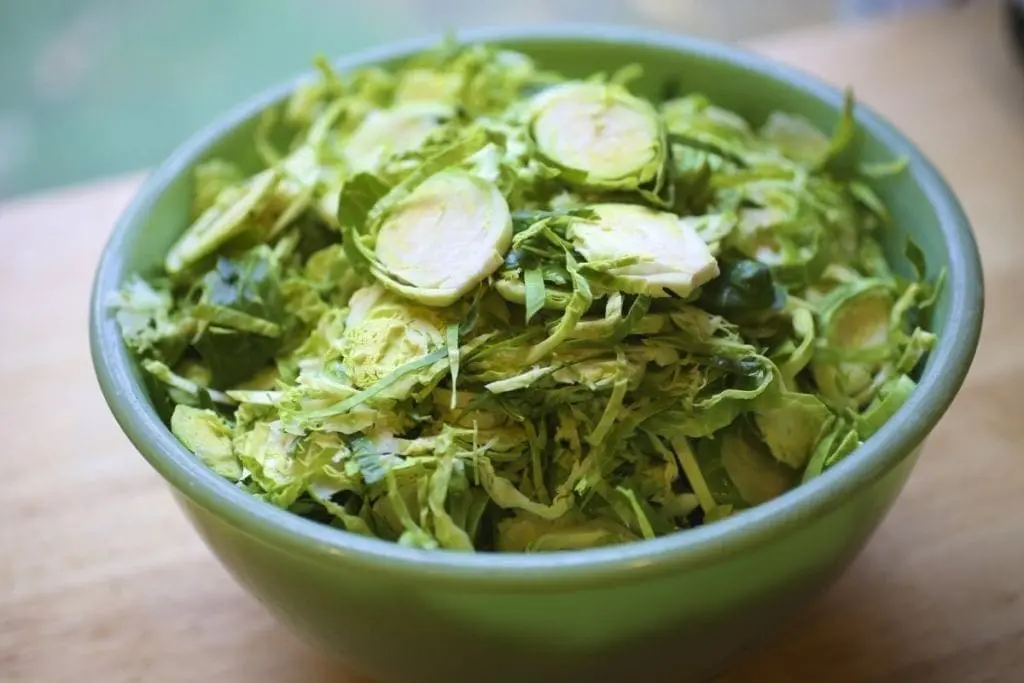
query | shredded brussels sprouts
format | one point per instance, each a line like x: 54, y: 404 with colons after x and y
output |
x: 476, y: 305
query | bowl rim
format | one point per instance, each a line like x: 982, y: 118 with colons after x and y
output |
x: 897, y: 439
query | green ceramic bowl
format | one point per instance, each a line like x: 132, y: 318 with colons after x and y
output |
x: 675, y: 608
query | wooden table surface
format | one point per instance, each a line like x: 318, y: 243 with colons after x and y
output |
x: 102, y: 580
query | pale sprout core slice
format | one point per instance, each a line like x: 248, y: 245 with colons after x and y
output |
x: 386, y: 133
x: 608, y: 135
x: 673, y: 256
x: 863, y: 321
x: 858, y: 322
x: 447, y: 236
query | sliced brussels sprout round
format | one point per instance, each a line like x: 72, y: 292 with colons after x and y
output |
x: 429, y: 85
x: 600, y: 135
x: 757, y: 476
x: 670, y: 254
x: 386, y: 133
x: 856, y: 321
x: 791, y: 424
x: 383, y: 333
x: 208, y: 436
x: 231, y: 215
x: 696, y: 117
x: 447, y: 236
x: 796, y: 137
x: 862, y: 319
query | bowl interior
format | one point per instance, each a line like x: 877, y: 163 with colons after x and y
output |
x: 921, y: 204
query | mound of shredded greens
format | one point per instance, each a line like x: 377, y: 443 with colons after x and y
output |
x: 470, y: 304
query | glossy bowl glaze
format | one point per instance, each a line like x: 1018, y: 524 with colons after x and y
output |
x: 675, y: 608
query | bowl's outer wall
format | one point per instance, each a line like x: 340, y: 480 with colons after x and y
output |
x: 682, y: 627
x: 683, y: 624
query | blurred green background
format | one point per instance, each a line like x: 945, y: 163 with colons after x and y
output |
x: 97, y: 87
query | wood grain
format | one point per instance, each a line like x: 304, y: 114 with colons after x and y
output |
x: 101, y: 579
